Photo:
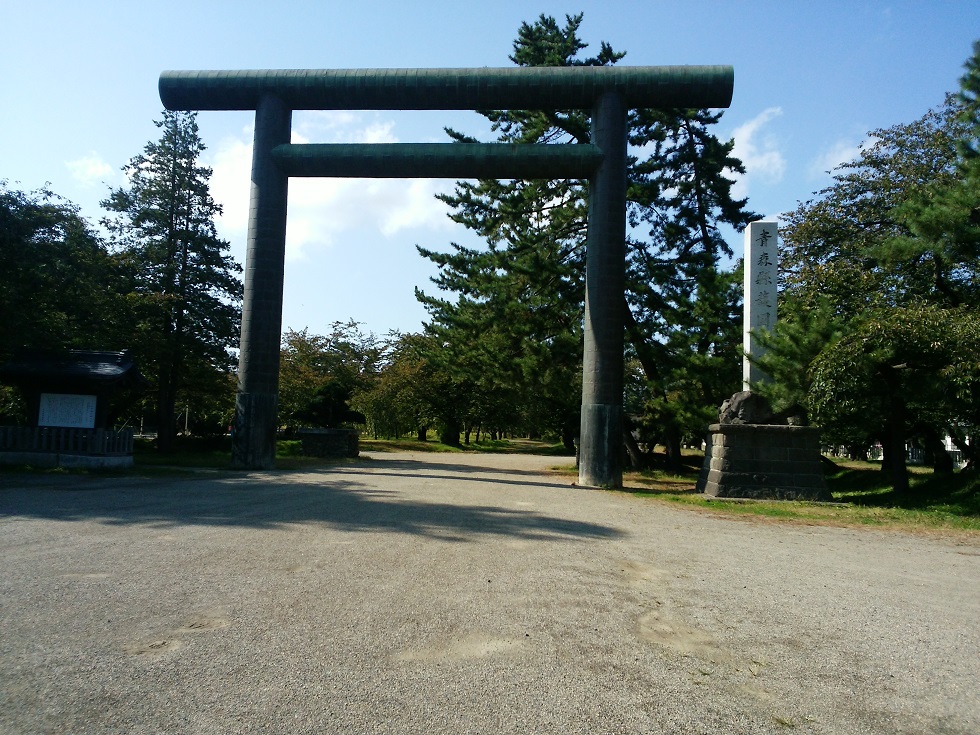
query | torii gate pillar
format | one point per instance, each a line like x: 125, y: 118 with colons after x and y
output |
x: 601, y: 436
x: 257, y: 402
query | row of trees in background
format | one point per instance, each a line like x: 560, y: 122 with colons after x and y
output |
x: 392, y: 386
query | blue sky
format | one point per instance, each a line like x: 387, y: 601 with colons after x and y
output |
x: 78, y: 96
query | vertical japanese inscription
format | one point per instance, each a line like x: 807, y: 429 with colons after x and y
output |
x: 761, y: 259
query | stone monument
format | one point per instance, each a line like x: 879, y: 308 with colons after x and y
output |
x: 759, y: 294
x: 752, y: 452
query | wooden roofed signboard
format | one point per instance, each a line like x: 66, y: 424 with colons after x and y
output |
x: 70, y: 389
x: 68, y: 397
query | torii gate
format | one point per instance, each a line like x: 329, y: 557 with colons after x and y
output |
x: 609, y: 92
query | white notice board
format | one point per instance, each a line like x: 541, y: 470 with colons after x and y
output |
x: 67, y: 409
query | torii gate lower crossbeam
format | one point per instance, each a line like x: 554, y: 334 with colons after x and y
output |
x: 608, y: 91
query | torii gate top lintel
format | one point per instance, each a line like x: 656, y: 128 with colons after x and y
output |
x: 510, y: 88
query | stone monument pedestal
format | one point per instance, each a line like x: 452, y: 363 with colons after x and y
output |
x: 763, y: 461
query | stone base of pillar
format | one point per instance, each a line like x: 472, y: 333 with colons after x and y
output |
x: 253, y: 441
x: 601, y: 446
x: 764, y: 462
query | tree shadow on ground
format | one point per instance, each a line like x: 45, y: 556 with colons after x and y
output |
x: 278, y: 501
x: 449, y: 471
x: 957, y: 493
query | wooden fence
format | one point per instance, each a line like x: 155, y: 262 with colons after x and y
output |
x: 106, y: 442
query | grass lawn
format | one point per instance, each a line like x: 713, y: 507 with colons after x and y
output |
x: 861, y: 493
x: 215, y: 453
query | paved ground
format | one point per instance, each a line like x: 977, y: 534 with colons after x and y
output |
x: 464, y: 594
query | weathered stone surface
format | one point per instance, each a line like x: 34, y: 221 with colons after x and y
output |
x: 601, y: 437
x: 745, y: 407
x: 257, y: 401
x: 764, y: 462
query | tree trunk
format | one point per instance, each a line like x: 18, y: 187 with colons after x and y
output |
x: 894, y: 460
x: 166, y: 418
x: 942, y: 463
x: 672, y: 445
x: 449, y: 435
x: 422, y: 431
x: 568, y: 438
x: 637, y: 460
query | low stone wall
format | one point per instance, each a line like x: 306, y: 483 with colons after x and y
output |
x: 53, y: 446
x: 67, y: 440
x: 329, y: 442
x: 763, y: 461
x: 67, y: 460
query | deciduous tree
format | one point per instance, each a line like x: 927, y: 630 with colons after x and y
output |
x: 320, y: 374
x: 889, y: 257
x: 59, y: 285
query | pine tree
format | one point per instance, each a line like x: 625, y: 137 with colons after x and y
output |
x: 684, y: 307
x: 515, y: 330
x: 186, y: 294
x: 526, y: 288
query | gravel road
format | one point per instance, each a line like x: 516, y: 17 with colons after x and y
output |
x: 427, y: 593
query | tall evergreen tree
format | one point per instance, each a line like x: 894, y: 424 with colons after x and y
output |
x: 516, y: 326
x: 186, y: 295
x: 683, y: 315
x: 526, y: 288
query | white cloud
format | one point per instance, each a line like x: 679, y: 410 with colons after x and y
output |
x: 231, y: 166
x: 758, y: 152
x: 326, y: 212
x: 328, y: 126
x: 415, y: 207
x: 90, y: 170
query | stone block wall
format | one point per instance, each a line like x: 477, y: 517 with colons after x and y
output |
x: 763, y: 461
